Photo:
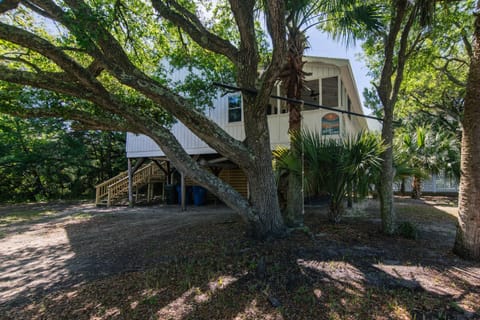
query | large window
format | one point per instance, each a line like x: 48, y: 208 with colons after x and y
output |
x: 330, y: 124
x: 234, y: 108
x: 330, y: 92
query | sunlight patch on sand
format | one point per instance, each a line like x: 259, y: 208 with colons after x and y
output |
x: 183, y: 305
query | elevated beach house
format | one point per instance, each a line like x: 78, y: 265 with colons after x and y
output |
x: 330, y: 83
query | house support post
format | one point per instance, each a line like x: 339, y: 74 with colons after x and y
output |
x: 149, y: 191
x: 169, y: 173
x: 130, y: 191
x: 183, y: 191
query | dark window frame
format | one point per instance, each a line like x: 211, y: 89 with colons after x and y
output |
x: 234, y: 105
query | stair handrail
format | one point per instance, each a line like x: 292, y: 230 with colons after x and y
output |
x: 101, y: 190
x: 119, y: 184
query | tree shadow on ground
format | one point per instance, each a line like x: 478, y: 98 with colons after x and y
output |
x: 211, y: 271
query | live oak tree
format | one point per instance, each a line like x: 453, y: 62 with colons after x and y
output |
x: 107, y: 52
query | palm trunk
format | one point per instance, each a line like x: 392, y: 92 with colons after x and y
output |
x: 293, y: 213
x: 402, y: 187
x: 467, y: 242
x: 416, y: 187
x: 350, y: 195
x: 335, y: 211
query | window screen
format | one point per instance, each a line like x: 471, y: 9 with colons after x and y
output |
x: 330, y: 92
x: 310, y: 93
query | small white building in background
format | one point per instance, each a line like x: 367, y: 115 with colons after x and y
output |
x: 330, y: 84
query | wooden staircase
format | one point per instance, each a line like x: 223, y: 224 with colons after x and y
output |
x: 116, y: 188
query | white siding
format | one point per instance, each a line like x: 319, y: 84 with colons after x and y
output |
x: 142, y: 146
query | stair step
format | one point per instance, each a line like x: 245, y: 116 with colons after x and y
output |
x: 121, y: 185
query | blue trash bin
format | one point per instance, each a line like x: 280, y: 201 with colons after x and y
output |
x: 199, y: 195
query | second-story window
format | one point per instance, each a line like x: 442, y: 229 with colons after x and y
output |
x: 235, y: 108
x: 330, y: 92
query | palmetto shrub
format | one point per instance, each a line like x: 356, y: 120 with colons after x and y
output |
x: 337, y: 167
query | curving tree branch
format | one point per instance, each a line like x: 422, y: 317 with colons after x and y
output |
x: 190, y: 23
x: 7, y: 5
x: 106, y: 49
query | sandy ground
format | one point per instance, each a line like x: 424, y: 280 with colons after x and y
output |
x: 81, y: 243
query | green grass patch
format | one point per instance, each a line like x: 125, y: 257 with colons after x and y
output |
x: 82, y: 215
x: 19, y: 216
x: 424, y: 213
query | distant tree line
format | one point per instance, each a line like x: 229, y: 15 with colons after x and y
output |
x: 43, y: 159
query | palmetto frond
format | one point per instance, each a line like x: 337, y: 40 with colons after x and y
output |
x: 332, y: 166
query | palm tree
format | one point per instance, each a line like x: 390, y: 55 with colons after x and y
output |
x: 332, y: 166
x: 349, y: 18
x: 426, y: 151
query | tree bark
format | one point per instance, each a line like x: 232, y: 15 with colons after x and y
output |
x: 416, y: 187
x: 293, y: 214
x: 293, y: 78
x: 390, y: 80
x: 467, y: 242
x: 385, y: 192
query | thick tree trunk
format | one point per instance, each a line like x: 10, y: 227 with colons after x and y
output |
x: 467, y: 242
x: 264, y: 200
x: 263, y: 194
